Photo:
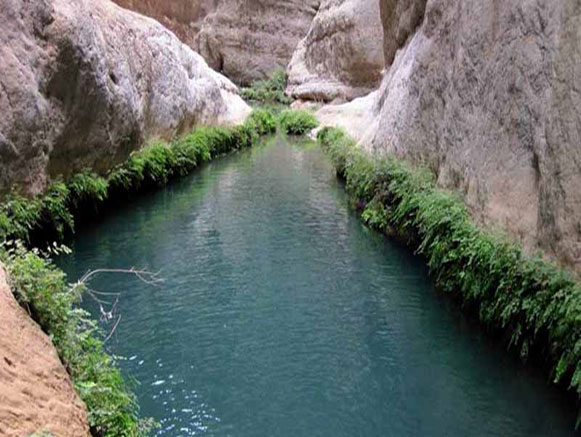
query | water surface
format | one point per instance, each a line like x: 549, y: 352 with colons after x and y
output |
x: 281, y: 315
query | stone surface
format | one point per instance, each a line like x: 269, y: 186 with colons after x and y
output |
x: 342, y: 55
x: 183, y: 17
x: 486, y: 95
x: 37, y: 393
x: 84, y: 83
x: 249, y: 39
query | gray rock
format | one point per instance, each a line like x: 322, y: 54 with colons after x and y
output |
x: 342, y: 55
x: 183, y: 17
x: 249, y: 39
x: 83, y: 83
x: 486, y: 95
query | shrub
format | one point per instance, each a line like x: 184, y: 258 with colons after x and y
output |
x: 262, y: 121
x: 536, y: 303
x: 42, y: 288
x: 269, y: 90
x: 297, y: 122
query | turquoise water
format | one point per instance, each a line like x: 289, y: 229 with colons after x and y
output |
x: 281, y: 315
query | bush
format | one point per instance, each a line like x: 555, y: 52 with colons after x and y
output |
x: 262, y: 121
x: 536, y: 303
x: 42, y: 288
x: 269, y: 90
x: 297, y: 122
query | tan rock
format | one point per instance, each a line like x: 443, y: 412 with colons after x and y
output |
x: 342, y: 55
x: 36, y: 391
x: 85, y: 82
x: 183, y: 17
x: 485, y: 94
x: 249, y: 39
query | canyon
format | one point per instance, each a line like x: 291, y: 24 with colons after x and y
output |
x: 482, y: 95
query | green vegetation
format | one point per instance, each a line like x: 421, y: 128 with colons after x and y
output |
x: 53, y: 214
x: 42, y: 288
x: 535, y: 303
x: 297, y: 122
x: 269, y: 90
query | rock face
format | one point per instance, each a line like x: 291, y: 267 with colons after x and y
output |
x: 84, y: 82
x: 37, y: 394
x: 486, y: 95
x: 342, y: 55
x: 249, y: 39
x: 183, y: 17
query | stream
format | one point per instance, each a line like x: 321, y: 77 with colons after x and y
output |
x: 280, y: 314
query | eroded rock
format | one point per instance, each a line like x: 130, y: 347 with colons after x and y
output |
x: 84, y: 83
x: 183, y: 17
x: 250, y: 39
x: 342, y: 55
x: 485, y: 94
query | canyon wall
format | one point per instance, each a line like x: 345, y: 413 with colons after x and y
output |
x: 37, y: 394
x: 249, y: 39
x: 485, y: 94
x: 342, y: 56
x: 183, y: 17
x: 84, y: 83
x: 246, y: 40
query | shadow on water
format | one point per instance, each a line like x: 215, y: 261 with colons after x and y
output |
x: 282, y: 315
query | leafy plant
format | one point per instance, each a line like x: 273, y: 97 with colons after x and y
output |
x: 533, y: 301
x: 269, y: 90
x: 42, y: 288
x: 297, y: 122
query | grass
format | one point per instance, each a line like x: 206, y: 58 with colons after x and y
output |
x: 534, y: 303
x: 42, y: 288
x: 294, y: 122
x: 269, y: 90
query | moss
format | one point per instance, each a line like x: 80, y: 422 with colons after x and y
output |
x: 534, y: 302
x: 297, y: 122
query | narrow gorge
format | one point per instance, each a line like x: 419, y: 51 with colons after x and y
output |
x: 294, y: 217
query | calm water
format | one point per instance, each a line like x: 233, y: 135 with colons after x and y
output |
x: 281, y: 315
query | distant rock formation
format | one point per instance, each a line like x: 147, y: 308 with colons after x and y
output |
x: 83, y: 83
x: 249, y: 39
x: 341, y: 57
x: 183, y: 17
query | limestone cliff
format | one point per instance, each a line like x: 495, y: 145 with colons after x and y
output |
x: 249, y: 39
x: 84, y: 82
x: 341, y: 57
x: 37, y: 394
x: 183, y: 17
x: 485, y: 94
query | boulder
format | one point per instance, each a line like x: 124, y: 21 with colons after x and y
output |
x: 342, y: 56
x: 250, y: 39
x: 84, y: 83
x: 485, y: 94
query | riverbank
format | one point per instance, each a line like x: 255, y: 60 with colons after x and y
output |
x: 43, y: 289
x: 533, y: 302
